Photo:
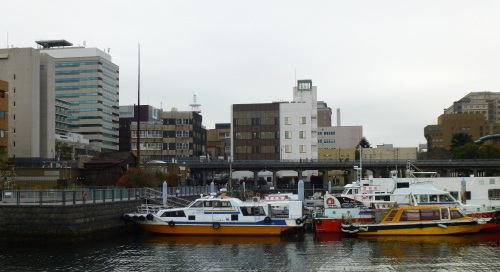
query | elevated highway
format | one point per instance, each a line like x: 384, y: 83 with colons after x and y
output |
x: 442, y: 167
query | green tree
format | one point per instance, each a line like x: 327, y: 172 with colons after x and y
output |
x: 7, y: 174
x: 142, y: 177
x: 436, y: 153
x: 363, y: 143
x: 489, y: 151
x: 64, y: 151
x: 460, y: 139
x: 466, y: 151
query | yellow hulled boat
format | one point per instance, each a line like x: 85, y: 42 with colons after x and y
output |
x: 419, y: 220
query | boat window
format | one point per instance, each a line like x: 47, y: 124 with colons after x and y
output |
x: 252, y: 211
x: 494, y: 194
x: 429, y: 214
x: 434, y: 198
x: 391, y: 215
x: 197, y: 204
x: 173, y: 214
x: 445, y: 198
x: 191, y: 217
x: 207, y: 204
x: 410, y: 215
x: 222, y: 204
x: 455, y: 214
x: 444, y: 213
x: 423, y: 198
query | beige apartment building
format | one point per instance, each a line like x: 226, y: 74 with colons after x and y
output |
x: 30, y: 78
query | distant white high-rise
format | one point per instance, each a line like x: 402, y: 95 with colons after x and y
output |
x: 89, y: 81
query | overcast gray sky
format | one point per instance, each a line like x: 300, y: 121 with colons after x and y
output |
x: 390, y: 66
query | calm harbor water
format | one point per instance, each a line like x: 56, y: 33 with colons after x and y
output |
x: 306, y: 252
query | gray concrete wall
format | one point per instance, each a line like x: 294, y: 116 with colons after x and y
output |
x: 64, y: 224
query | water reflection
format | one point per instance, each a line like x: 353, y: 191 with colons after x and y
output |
x: 212, y: 240
x: 306, y: 252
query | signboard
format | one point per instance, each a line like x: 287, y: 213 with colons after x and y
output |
x: 126, y: 111
x: 370, y: 188
x: 275, y: 198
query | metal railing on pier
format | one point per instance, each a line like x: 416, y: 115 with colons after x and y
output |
x: 95, y: 195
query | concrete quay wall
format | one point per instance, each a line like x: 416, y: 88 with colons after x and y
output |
x: 64, y: 224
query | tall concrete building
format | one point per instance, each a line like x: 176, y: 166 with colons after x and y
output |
x: 177, y: 134
x: 440, y: 135
x: 131, y: 113
x: 486, y: 103
x: 4, y: 121
x: 279, y: 130
x: 477, y: 114
x: 89, y: 80
x: 219, y: 141
x: 324, y: 115
x: 31, y: 118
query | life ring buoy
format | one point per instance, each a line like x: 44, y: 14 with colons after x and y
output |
x: 298, y: 221
x: 171, y: 223
x: 216, y: 225
x: 267, y: 220
x: 257, y: 194
x: 365, y: 196
x: 250, y: 193
x: 319, y: 221
x: 330, y: 201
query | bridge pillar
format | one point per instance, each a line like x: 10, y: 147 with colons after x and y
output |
x: 299, y: 175
x: 255, y: 178
x: 275, y: 181
x: 325, y: 178
x: 204, y: 178
x: 351, y: 177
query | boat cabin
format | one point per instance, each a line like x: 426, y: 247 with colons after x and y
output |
x: 422, y: 213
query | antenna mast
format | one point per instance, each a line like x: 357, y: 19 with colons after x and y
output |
x: 195, y: 106
x: 138, y: 146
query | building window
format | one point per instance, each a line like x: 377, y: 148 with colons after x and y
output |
x: 302, y: 134
x: 302, y: 149
x: 302, y: 120
x: 255, y: 121
x: 182, y: 146
x: 288, y: 135
x: 288, y: 120
x: 182, y: 121
x: 182, y: 134
x: 2, y: 133
x: 288, y: 149
x: 256, y: 135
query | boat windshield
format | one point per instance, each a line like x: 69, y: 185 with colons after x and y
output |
x: 456, y: 214
x: 197, y: 204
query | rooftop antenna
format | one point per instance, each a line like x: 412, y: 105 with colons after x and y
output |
x: 195, y: 106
